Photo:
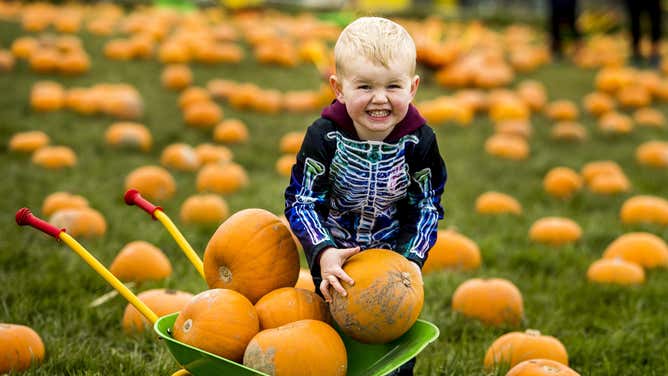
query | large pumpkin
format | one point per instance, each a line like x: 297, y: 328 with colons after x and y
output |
x: 515, y: 347
x: 301, y: 348
x: 493, y: 301
x: 385, y: 300
x: 219, y: 321
x: 289, y: 304
x: 20, y: 347
x: 161, y: 301
x: 252, y: 252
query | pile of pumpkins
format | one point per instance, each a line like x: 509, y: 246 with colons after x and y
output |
x: 252, y: 314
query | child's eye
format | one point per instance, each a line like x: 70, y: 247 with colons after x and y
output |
x: 395, y: 86
x: 364, y: 87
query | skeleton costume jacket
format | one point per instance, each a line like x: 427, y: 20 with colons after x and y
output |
x: 345, y: 192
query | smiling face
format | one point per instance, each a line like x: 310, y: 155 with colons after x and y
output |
x: 376, y: 97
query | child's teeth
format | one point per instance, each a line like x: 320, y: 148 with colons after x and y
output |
x: 379, y: 113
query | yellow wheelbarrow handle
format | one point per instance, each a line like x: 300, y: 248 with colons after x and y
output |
x: 133, y: 197
x: 24, y: 217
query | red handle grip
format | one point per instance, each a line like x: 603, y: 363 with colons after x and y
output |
x: 133, y: 197
x: 25, y: 217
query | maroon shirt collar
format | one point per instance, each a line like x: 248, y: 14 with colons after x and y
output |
x: 337, y: 113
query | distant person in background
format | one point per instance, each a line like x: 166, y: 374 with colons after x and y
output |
x: 653, y: 9
x: 562, y: 19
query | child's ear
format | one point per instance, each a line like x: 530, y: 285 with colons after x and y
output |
x: 335, y: 84
x: 415, y: 82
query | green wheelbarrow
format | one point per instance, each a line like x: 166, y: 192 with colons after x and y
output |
x: 363, y: 359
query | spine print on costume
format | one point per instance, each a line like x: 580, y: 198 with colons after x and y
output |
x: 312, y: 169
x: 429, y: 220
x: 367, y: 179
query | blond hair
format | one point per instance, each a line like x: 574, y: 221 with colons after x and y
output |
x: 377, y: 39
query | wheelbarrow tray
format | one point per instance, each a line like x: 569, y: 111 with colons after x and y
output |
x: 363, y: 359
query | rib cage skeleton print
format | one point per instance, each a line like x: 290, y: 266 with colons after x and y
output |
x: 345, y: 192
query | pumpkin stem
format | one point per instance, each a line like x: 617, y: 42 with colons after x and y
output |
x: 406, y: 279
x: 532, y: 332
x: 225, y: 274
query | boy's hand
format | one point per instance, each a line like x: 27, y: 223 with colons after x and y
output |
x: 331, y: 261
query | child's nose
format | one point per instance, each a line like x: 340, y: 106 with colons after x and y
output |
x: 379, y: 96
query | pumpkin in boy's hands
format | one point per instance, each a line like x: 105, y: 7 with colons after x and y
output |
x: 385, y: 300
x: 219, y: 321
x: 252, y: 252
x: 301, y: 348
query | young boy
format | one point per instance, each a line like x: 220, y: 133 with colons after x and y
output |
x: 369, y: 173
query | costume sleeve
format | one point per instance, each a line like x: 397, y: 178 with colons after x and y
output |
x: 307, y: 196
x: 421, y: 209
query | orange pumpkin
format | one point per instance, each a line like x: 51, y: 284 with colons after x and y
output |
x: 153, y: 182
x: 128, y: 134
x: 610, y: 184
x: 203, y: 114
x: 615, y: 123
x: 385, y: 300
x: 452, y: 251
x: 192, y: 95
x: 653, y: 153
x: 642, y: 248
x: 562, y: 110
x: 515, y: 347
x: 284, y: 164
x: 47, y: 96
x: 568, y: 131
x: 21, y: 347
x: 219, y: 321
x: 562, y: 182
x: 232, y: 131
x: 598, y: 103
x: 223, y: 178
x: 494, y: 301
x: 617, y: 271
x: 520, y: 128
x: 204, y: 209
x: 176, y: 76
x: 555, y: 231
x: 54, y: 157
x: 541, y: 367
x: 497, y: 203
x: 301, y: 348
x: 209, y: 153
x: 649, y: 117
x: 27, y: 142
x: 507, y: 147
x: 605, y: 167
x: 161, y: 301
x: 251, y: 252
x: 305, y: 280
x: 645, y: 209
x: 140, y: 261
x: 289, y: 304
x: 83, y: 221
x: 62, y: 200
x: 291, y: 142
x: 533, y: 93
x: 180, y: 156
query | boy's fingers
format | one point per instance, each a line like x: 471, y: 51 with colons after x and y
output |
x: 325, y: 291
x: 337, y: 285
x: 345, y: 277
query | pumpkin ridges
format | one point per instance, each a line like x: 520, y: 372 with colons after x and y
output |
x: 253, y: 245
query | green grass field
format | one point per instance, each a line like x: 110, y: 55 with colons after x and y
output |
x: 607, y: 330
